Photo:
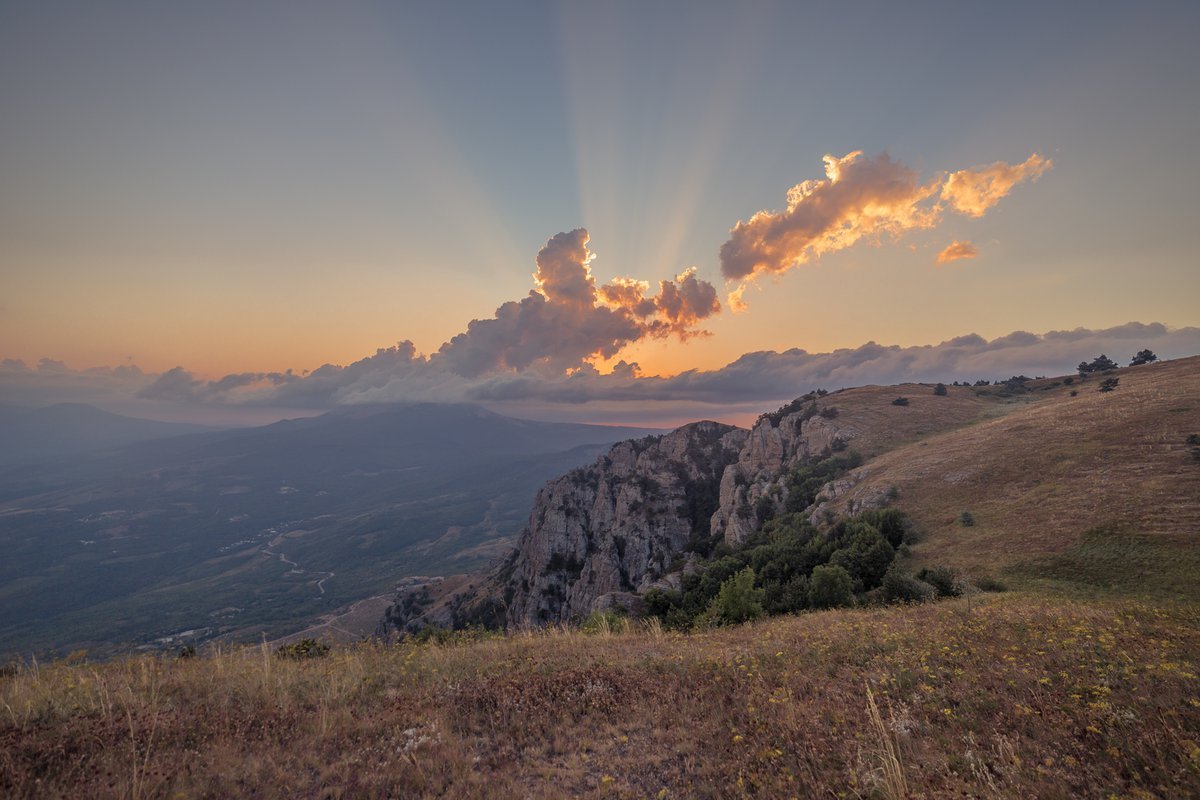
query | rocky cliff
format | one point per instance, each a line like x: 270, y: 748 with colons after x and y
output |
x: 755, y: 487
x: 599, y: 534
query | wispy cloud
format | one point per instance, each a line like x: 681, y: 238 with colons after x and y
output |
x: 859, y: 198
x: 957, y: 250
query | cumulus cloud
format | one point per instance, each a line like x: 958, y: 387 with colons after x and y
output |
x: 566, y: 319
x: 957, y: 250
x: 859, y: 198
x: 974, y: 191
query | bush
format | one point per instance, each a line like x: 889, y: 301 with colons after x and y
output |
x: 1143, y: 357
x: 900, y: 587
x: 611, y: 621
x: 940, y: 390
x: 941, y: 579
x: 967, y: 519
x: 305, y: 648
x: 830, y: 587
x: 1108, y: 384
x: 900, y: 401
x: 737, y: 601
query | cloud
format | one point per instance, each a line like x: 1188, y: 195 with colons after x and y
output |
x: 859, y: 198
x: 750, y: 384
x: 974, y: 191
x: 955, y: 251
x: 566, y: 319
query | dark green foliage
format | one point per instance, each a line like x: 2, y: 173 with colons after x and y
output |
x: 942, y: 579
x: 892, y: 523
x: 967, y: 519
x: 764, y: 508
x: 738, y: 600
x: 940, y: 390
x: 1069, y: 380
x: 1108, y: 384
x: 1143, y: 357
x: 830, y: 587
x: 1074, y: 392
x: 865, y: 556
x: 829, y: 412
x: 187, y: 651
x: 774, y: 417
x: 803, y: 482
x: 1193, y: 441
x: 901, y: 587
x: 900, y: 401
x: 305, y: 648
x: 1101, y: 364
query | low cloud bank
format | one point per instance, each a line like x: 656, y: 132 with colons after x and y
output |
x: 755, y: 380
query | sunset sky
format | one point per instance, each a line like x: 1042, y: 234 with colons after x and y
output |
x: 241, y: 189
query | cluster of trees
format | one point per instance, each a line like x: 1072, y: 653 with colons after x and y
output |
x: 789, y: 565
x: 1103, y: 363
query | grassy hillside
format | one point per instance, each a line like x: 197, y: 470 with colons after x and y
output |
x: 1049, y: 468
x: 1081, y: 681
x: 1019, y: 697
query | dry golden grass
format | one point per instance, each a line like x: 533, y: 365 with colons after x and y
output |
x: 1022, y: 697
x: 1043, y: 473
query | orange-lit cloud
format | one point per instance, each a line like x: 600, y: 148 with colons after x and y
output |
x: 974, y: 191
x: 859, y: 198
x: 567, y: 320
x: 957, y: 250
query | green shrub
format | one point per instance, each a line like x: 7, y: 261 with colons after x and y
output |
x: 941, y: 579
x: 900, y: 587
x: 940, y: 390
x: 737, y: 601
x: 900, y: 401
x: 830, y: 587
x: 1108, y: 384
x: 967, y: 519
x: 609, y: 621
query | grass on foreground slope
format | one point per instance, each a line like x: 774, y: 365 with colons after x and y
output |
x: 1018, y: 697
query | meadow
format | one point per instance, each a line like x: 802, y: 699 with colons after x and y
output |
x: 998, y: 695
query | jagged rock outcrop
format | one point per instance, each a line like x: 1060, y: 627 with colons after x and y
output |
x: 755, y: 485
x: 598, y: 534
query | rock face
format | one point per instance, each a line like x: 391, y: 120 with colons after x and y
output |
x: 599, y: 534
x: 755, y: 484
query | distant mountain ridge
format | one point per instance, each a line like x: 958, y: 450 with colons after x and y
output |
x: 35, y: 434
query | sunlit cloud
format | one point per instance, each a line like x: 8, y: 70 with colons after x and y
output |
x: 957, y: 250
x: 859, y: 198
x: 567, y: 320
x: 974, y: 191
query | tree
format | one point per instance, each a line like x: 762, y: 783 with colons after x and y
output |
x: 940, y: 390
x: 1101, y: 364
x: 737, y: 601
x: 829, y: 587
x: 1143, y: 357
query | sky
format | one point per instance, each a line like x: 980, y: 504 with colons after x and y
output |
x: 622, y: 212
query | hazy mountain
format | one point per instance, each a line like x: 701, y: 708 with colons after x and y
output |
x: 34, y: 434
x: 263, y: 528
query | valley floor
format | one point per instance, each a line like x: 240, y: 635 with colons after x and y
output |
x: 1015, y: 696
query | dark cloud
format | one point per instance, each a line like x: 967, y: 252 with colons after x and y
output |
x: 753, y: 381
